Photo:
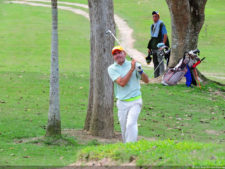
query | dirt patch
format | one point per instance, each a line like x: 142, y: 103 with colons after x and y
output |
x: 84, y: 137
x: 104, y: 162
x: 219, y: 93
x: 212, y: 132
x: 35, y: 140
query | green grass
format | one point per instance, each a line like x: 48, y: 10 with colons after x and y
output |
x: 158, y: 153
x: 176, y: 113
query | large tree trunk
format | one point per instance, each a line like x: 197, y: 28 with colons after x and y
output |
x: 187, y: 18
x: 99, y: 120
x: 54, y: 122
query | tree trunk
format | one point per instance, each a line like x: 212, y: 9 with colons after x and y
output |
x: 187, y: 18
x: 54, y: 122
x: 90, y: 97
x: 99, y: 120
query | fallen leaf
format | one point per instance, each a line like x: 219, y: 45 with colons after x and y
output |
x: 178, y: 128
x: 2, y: 101
x: 19, y: 141
x: 213, y: 157
x: 154, y: 121
x: 204, y: 121
x: 26, y: 156
x: 132, y: 158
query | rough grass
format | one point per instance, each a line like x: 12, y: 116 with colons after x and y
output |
x: 160, y: 153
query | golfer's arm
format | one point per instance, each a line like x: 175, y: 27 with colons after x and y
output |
x: 122, y: 81
x: 164, y: 38
x: 144, y: 78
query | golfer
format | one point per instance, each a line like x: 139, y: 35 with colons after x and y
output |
x: 158, y: 36
x: 126, y: 76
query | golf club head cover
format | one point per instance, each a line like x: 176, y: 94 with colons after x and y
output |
x: 159, y: 45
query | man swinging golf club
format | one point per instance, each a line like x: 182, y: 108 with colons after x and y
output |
x: 126, y: 76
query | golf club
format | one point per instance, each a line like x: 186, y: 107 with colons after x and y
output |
x: 110, y: 32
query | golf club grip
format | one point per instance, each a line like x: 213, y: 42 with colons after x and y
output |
x: 202, y: 59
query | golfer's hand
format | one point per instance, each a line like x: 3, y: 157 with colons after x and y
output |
x: 139, y: 69
x: 133, y: 62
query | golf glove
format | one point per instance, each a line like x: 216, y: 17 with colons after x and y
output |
x: 139, y: 69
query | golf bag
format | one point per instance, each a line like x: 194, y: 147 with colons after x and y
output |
x: 173, y: 75
x: 163, y: 51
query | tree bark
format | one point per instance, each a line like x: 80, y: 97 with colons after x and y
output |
x: 90, y: 97
x: 99, y: 120
x: 54, y: 122
x: 187, y: 18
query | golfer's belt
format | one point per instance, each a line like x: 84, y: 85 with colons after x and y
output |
x: 132, y: 99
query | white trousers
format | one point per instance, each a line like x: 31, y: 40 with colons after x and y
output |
x: 128, y: 113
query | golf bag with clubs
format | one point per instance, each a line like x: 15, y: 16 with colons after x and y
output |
x: 163, y: 50
x: 173, y: 75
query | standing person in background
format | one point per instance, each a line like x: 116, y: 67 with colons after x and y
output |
x: 126, y: 76
x: 158, y: 35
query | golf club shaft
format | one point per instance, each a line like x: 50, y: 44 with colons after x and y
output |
x: 157, y: 66
x: 110, y: 32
